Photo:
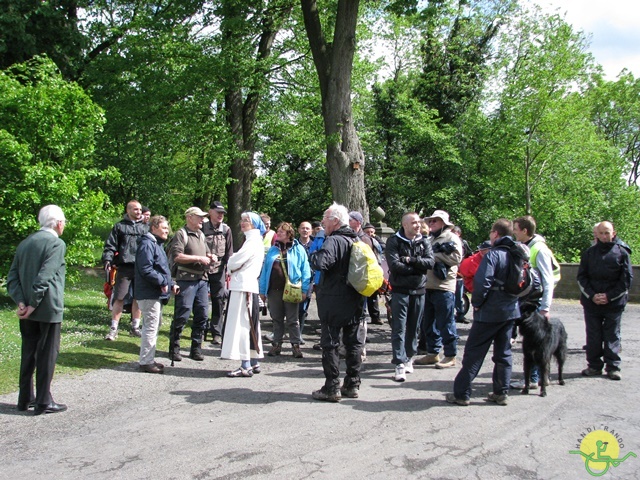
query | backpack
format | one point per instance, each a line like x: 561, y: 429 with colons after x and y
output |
x: 523, y: 281
x: 365, y: 274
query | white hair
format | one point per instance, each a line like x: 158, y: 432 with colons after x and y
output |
x: 338, y: 211
x: 50, y: 215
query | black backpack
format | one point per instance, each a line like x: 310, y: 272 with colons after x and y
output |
x: 523, y: 281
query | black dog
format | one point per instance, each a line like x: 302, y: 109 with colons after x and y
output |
x: 542, y: 338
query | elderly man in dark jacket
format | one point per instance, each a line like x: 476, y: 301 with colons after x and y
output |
x: 153, y: 286
x: 339, y: 307
x: 494, y: 313
x: 36, y: 283
x: 409, y: 256
x: 604, y: 277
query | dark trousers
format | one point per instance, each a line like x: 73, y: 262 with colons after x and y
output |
x: 193, y: 296
x: 217, y: 292
x: 353, y: 343
x: 373, y: 308
x: 603, y: 339
x: 40, y: 347
x: 480, y: 337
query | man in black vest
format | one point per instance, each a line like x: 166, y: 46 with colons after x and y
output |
x: 36, y: 283
x: 191, y: 254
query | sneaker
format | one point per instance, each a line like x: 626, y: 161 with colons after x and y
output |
x: 451, y: 398
x: 591, y: 372
x: 135, y: 332
x: 408, y: 367
x: 499, y: 399
x: 399, y: 375
x: 614, y: 374
x: 268, y: 337
x: 216, y: 340
x: 446, y: 362
x: 112, y: 335
x: 428, y: 359
x: 349, y: 392
x: 324, y: 396
x: 317, y: 346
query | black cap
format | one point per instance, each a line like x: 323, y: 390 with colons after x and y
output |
x: 217, y: 206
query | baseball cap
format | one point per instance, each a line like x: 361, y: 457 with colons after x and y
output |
x: 195, y: 211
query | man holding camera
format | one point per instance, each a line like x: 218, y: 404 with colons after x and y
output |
x: 438, y: 323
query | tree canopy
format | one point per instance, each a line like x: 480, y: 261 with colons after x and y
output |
x: 483, y: 108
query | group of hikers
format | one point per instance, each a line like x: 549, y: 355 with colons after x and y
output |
x: 224, y: 290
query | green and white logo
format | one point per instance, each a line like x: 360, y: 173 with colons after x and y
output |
x: 600, y: 450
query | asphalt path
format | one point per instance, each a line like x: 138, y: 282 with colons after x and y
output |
x: 195, y: 423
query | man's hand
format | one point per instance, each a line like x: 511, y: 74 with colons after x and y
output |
x: 600, y: 299
x: 164, y: 288
x: 26, y: 312
x: 175, y: 289
x: 206, y: 261
x: 545, y: 313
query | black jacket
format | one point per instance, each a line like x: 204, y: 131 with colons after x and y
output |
x: 123, y: 239
x: 605, y: 268
x: 152, y: 270
x: 408, y: 275
x: 339, y: 304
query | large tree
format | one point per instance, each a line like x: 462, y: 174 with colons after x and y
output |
x: 334, y: 63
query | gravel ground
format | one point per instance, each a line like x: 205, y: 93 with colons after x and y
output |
x: 194, y: 422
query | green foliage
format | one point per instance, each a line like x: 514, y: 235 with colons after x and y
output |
x: 47, y: 131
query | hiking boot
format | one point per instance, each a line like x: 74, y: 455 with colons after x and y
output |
x: 428, y: 359
x: 196, y: 355
x: 499, y: 399
x: 112, y: 335
x: 591, y: 372
x: 451, y: 398
x: 399, y: 375
x: 276, y: 349
x: 408, y: 367
x: 296, y: 351
x: 135, y: 332
x: 325, y: 396
x: 349, y: 392
x: 614, y: 374
x: 446, y: 362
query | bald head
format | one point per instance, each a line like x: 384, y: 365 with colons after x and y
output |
x: 604, y: 232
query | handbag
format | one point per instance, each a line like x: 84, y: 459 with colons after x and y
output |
x: 292, y: 291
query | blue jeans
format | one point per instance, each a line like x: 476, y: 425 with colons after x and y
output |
x: 480, y: 337
x: 438, y: 322
x: 193, y: 296
x: 406, y: 312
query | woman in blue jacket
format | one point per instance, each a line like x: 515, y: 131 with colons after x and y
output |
x: 152, y: 288
x: 287, y: 254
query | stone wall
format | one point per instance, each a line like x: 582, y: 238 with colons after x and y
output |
x: 568, y: 285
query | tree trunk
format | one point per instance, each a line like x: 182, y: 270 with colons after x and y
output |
x: 241, y: 114
x: 334, y: 64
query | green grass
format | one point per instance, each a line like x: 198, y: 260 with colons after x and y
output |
x: 82, y: 345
